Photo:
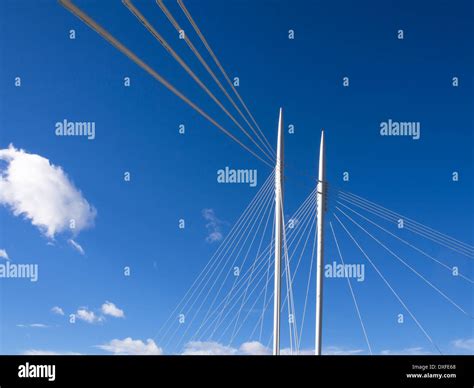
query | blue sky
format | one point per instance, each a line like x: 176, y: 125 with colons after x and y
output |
x: 174, y: 176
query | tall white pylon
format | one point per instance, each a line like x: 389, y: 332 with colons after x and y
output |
x: 321, y: 208
x: 278, y: 236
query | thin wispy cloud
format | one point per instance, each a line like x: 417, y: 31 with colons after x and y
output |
x: 464, y: 344
x: 76, y: 246
x: 35, y: 189
x: 41, y: 352
x: 415, y: 350
x: 340, y: 351
x: 33, y: 325
x: 213, y: 226
x: 57, y: 310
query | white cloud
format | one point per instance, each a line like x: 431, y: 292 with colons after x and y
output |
x: 132, y: 347
x: 208, y: 349
x: 33, y: 325
x: 32, y: 187
x: 4, y: 254
x: 340, y: 351
x: 302, y: 352
x: 40, y: 352
x: 254, y: 348
x: 214, y: 237
x: 415, y: 350
x: 213, y: 226
x: 464, y: 344
x: 88, y: 316
x: 57, y: 310
x: 76, y: 246
x: 108, y: 308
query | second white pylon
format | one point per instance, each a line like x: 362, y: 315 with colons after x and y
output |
x: 278, y: 236
x: 321, y: 208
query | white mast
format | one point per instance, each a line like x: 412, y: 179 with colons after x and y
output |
x: 321, y: 208
x: 278, y: 236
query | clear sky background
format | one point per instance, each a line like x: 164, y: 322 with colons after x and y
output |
x: 174, y: 176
